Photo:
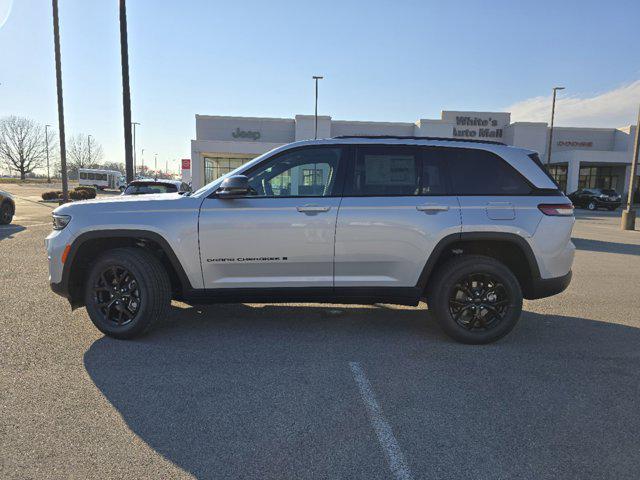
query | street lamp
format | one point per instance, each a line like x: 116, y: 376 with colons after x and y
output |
x: 142, y: 160
x: 89, y: 147
x: 46, y: 141
x: 316, y: 78
x: 553, y: 111
x: 155, y: 165
x: 134, y: 146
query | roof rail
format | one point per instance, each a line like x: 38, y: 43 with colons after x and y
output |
x: 409, y: 137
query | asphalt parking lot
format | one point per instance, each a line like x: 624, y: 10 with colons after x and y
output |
x: 315, y: 391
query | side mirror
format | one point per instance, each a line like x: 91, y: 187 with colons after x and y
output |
x: 233, y: 187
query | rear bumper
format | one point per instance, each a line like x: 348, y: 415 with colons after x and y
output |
x: 546, y: 287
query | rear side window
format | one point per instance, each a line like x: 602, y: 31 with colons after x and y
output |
x: 478, y: 172
x: 388, y: 170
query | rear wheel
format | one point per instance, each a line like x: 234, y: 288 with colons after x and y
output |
x: 6, y: 214
x: 592, y: 206
x: 126, y: 292
x: 475, y: 299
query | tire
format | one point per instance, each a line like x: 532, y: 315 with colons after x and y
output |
x: 459, y: 320
x: 147, y: 294
x: 592, y: 206
x: 6, y: 213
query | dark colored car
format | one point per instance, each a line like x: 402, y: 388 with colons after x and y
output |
x: 594, y: 198
x: 7, y: 208
x: 145, y: 187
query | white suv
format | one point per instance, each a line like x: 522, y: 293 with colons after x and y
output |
x: 470, y: 227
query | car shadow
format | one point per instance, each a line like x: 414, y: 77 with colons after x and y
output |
x: 247, y: 391
x: 607, y: 247
x: 7, y: 231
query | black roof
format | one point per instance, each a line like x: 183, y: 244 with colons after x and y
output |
x: 409, y: 137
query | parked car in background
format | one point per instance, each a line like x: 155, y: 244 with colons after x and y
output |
x: 148, y: 186
x: 101, y: 179
x: 7, y: 208
x: 594, y: 198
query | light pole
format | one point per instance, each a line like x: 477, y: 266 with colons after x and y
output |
x: 316, y: 78
x: 89, y: 147
x: 63, y: 147
x: 553, y: 112
x: 155, y: 165
x: 134, y: 146
x: 628, y: 221
x: 46, y: 142
x: 142, y: 160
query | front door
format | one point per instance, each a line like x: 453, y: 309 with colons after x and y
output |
x: 394, y: 211
x: 283, y: 234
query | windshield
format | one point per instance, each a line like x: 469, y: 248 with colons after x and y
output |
x: 147, y: 188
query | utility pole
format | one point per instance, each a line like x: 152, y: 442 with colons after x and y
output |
x: 46, y: 142
x: 628, y: 220
x: 135, y: 157
x: 126, y: 93
x: 316, y: 78
x: 63, y: 148
x: 553, y: 111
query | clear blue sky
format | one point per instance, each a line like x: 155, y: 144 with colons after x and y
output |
x: 383, y: 60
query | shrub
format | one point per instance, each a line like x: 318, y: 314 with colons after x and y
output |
x: 78, y: 195
x: 89, y: 191
x: 51, y: 195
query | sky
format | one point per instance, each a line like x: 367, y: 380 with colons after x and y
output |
x: 382, y: 60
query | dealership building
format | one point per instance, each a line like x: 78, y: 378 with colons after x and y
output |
x: 580, y: 157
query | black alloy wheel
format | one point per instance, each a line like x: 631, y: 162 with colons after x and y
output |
x: 117, y: 295
x: 478, y: 302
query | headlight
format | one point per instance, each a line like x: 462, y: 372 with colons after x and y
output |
x: 60, y: 221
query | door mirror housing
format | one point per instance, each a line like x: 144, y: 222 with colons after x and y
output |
x: 234, y: 187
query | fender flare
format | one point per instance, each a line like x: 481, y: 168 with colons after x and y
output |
x: 449, y: 240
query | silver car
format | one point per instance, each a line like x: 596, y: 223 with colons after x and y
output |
x: 470, y: 227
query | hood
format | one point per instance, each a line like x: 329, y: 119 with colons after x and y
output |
x: 117, y: 203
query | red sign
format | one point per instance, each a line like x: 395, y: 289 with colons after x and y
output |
x: 186, y: 164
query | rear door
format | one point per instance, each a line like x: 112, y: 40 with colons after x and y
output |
x: 394, y: 210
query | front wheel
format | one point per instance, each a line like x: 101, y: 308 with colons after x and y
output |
x: 592, y: 206
x: 475, y: 299
x: 127, y: 290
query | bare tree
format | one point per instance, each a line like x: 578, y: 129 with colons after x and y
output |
x: 22, y: 144
x: 83, y: 151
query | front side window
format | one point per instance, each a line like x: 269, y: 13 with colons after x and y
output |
x: 307, y: 172
x: 478, y: 172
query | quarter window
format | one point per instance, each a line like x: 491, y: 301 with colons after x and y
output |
x: 478, y: 172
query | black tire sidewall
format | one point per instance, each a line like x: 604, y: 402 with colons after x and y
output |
x: 450, y: 274
x: 145, y: 314
x: 6, y: 214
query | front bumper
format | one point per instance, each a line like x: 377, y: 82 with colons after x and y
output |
x: 546, y: 287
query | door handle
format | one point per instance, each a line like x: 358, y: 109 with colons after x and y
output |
x: 431, y: 208
x: 313, y: 208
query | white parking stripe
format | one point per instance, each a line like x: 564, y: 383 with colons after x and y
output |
x: 397, y: 463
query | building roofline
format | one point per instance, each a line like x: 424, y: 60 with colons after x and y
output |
x: 246, y: 118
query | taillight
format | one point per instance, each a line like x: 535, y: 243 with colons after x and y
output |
x: 556, y: 209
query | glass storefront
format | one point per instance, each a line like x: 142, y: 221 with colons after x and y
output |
x: 598, y: 177
x: 559, y: 174
x: 215, y: 167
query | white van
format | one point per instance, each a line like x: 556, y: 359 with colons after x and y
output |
x: 101, y: 179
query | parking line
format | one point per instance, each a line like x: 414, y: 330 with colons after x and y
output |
x: 397, y: 463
